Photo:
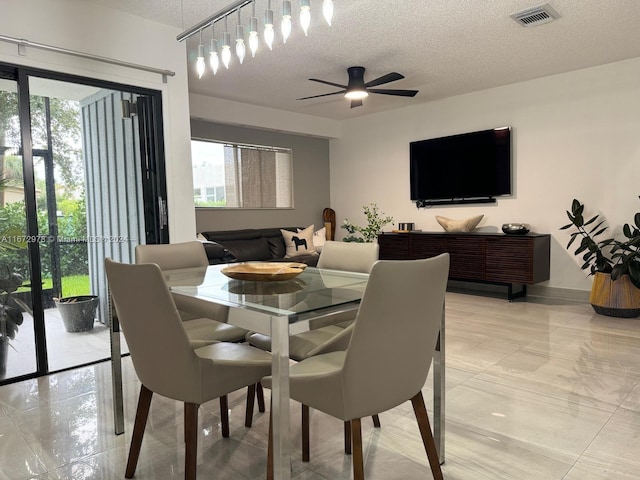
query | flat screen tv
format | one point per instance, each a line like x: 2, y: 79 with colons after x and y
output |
x: 467, y: 168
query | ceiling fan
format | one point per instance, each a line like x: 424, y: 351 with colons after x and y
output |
x: 356, y: 89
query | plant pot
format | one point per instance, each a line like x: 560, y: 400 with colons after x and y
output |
x: 619, y: 298
x: 78, y: 313
x: 4, y: 355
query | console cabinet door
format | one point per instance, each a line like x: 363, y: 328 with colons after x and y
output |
x: 426, y: 246
x: 510, y: 260
x: 393, y: 247
x: 468, y: 260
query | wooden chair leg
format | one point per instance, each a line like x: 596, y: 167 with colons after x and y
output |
x: 251, y: 395
x: 260, y: 395
x: 142, y: 413
x: 376, y: 421
x: 191, y: 447
x: 427, y: 436
x: 224, y: 415
x: 305, y: 433
x: 347, y: 437
x: 358, y: 458
x: 270, y: 449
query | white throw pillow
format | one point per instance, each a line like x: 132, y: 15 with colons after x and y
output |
x: 466, y: 225
x: 300, y: 243
x: 319, y: 238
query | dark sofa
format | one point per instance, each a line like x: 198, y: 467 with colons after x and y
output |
x: 257, y: 244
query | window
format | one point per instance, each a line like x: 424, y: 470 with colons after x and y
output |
x: 241, y: 176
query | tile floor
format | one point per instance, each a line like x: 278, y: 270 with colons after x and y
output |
x: 538, y: 389
x: 64, y: 349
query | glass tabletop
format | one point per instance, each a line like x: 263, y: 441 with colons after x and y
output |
x: 314, y: 289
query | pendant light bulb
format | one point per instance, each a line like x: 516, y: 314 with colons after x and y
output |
x: 253, y: 35
x: 269, y: 34
x: 200, y: 65
x: 285, y: 25
x: 226, y: 49
x: 241, y: 50
x: 305, y: 15
x: 214, y: 60
x: 327, y: 10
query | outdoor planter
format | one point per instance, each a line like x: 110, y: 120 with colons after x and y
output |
x: 78, y: 313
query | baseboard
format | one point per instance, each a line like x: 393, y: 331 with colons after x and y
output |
x: 566, y: 294
x: 561, y: 293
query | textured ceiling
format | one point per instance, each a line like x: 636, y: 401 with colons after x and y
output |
x: 442, y: 47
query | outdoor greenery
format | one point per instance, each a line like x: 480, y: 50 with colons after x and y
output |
x: 11, y: 316
x: 65, y: 142
x: 608, y: 255
x: 71, y: 225
x: 65, y: 136
x: 375, y: 223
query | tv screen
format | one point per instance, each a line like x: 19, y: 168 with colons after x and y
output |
x: 474, y: 165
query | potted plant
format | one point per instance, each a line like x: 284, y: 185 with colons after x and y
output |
x: 375, y: 222
x: 11, y: 314
x: 614, y: 264
x: 78, y: 312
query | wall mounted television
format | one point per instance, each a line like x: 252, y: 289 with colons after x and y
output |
x: 471, y: 167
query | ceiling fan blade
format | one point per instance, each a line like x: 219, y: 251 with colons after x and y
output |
x: 400, y: 93
x: 389, y: 77
x: 328, y: 83
x: 323, y: 95
x: 356, y: 103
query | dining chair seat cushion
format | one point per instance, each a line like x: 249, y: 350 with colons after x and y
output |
x: 203, y: 331
x: 300, y: 345
x: 319, y: 377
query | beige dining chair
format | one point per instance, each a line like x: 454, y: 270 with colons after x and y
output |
x: 345, y: 256
x: 198, y: 323
x: 164, y: 359
x: 388, y: 358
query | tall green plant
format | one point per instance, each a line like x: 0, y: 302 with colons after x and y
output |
x: 608, y: 255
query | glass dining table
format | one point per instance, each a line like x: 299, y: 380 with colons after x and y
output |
x: 278, y: 309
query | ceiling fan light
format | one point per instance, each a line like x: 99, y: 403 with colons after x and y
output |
x: 200, y: 65
x: 285, y: 25
x: 269, y: 34
x: 327, y: 10
x: 356, y: 94
x: 305, y: 15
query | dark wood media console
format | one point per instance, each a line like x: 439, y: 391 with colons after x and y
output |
x: 494, y: 258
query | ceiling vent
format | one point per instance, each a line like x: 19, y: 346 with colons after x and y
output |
x: 536, y: 16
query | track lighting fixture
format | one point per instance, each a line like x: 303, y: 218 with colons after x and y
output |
x: 221, y: 51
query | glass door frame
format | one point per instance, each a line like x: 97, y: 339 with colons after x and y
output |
x: 153, y: 182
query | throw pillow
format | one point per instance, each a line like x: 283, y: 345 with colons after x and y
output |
x: 467, y: 225
x: 300, y: 243
x: 319, y: 238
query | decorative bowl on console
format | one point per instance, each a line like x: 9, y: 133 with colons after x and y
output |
x: 515, y: 228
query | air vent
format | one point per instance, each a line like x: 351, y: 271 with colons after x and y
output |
x: 536, y: 16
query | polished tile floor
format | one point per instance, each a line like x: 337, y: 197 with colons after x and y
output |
x: 540, y: 389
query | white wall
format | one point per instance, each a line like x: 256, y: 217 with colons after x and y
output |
x: 575, y: 135
x: 89, y: 28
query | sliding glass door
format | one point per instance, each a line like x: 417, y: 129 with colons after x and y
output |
x: 84, y: 180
